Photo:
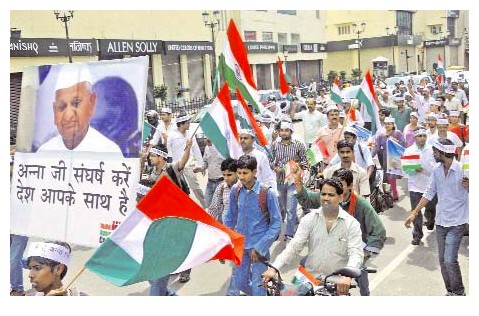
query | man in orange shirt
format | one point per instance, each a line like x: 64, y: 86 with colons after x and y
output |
x: 461, y: 130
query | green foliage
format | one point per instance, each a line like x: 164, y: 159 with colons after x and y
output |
x: 160, y: 91
x: 342, y: 75
x: 331, y: 75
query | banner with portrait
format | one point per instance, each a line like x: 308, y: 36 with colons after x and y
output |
x: 76, y: 164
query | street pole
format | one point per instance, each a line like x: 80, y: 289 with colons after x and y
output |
x: 358, y: 29
x: 215, y: 21
x: 407, y: 62
x: 65, y: 18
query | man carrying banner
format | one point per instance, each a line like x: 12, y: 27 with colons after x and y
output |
x: 452, y: 212
x: 73, y: 108
x: 418, y: 162
x: 282, y: 154
x: 259, y: 223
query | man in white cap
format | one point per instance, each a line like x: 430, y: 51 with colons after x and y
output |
x: 73, y: 108
x: 459, y: 93
x: 455, y: 126
x: 312, y: 119
x: 273, y: 109
x: 165, y: 127
x: 443, y: 132
x: 264, y: 172
x: 282, y: 153
x: 452, y: 212
x: 418, y: 179
x: 331, y: 133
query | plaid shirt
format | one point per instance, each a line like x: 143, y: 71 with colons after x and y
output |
x: 220, y: 202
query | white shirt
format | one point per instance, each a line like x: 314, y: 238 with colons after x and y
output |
x: 312, y: 122
x: 417, y: 181
x: 358, y: 158
x: 327, y: 251
x: 160, y: 130
x: 93, y: 141
x: 176, y: 145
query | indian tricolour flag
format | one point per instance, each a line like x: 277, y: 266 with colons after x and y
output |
x: 167, y: 233
x: 465, y: 161
x: 367, y: 96
x: 247, y: 120
x: 440, y: 68
x: 410, y: 162
x: 303, y: 276
x: 317, y: 152
x: 219, y: 125
x: 237, y: 71
x: 336, y: 92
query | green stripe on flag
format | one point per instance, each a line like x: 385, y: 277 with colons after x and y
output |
x: 410, y: 167
x: 310, y: 155
x: 212, y: 132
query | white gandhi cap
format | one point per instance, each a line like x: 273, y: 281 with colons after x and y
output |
x: 71, y: 74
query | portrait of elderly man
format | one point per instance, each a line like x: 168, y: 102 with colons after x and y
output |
x: 73, y: 108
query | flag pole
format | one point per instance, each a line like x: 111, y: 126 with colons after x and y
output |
x: 196, y: 129
x: 76, y: 277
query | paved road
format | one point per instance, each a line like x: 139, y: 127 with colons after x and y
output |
x: 403, y: 269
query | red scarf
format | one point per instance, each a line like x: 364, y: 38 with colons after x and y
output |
x: 352, y: 203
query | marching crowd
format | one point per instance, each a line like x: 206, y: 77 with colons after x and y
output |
x: 258, y: 192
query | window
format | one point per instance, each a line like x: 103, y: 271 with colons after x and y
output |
x: 436, y: 29
x: 404, y: 21
x: 250, y: 36
x: 289, y: 12
x: 451, y: 27
x: 267, y: 36
x: 282, y: 38
x: 344, y: 30
x: 295, y: 39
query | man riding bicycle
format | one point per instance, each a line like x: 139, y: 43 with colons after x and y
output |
x: 332, y: 235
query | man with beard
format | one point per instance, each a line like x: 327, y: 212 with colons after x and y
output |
x: 282, y: 153
x: 332, y: 235
x: 330, y: 134
x: 452, y: 212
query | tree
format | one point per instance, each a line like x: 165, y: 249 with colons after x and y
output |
x: 356, y: 73
x: 160, y: 92
x: 342, y: 75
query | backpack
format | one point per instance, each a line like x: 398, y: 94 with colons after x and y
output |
x: 262, y: 199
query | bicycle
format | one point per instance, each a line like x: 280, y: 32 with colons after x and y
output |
x: 276, y: 287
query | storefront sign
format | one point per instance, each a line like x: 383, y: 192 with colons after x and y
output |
x: 434, y: 43
x: 313, y: 47
x: 130, y: 47
x: 30, y: 47
x: 178, y: 48
x: 261, y: 47
x: 290, y: 48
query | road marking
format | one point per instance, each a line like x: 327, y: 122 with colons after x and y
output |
x: 393, y: 265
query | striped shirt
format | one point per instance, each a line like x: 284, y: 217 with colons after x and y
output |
x: 282, y: 153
